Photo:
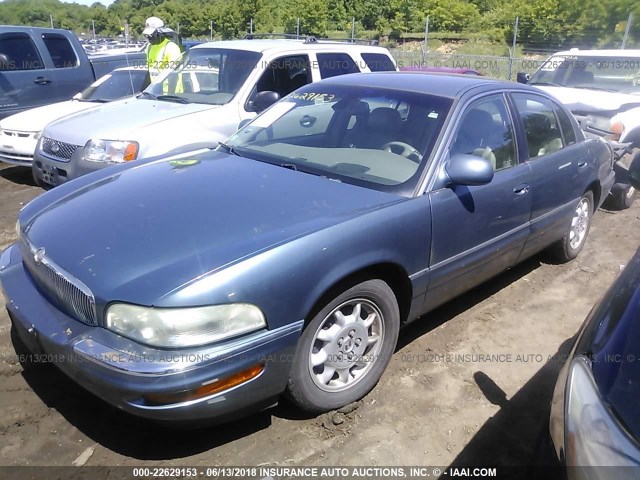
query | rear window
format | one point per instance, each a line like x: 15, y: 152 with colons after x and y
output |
x: 378, y: 62
x: 61, y: 51
x: 334, y: 64
x: 20, y: 52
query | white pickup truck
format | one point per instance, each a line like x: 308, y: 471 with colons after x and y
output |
x: 199, y: 103
x: 602, y: 89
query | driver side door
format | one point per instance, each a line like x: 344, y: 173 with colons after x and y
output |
x: 479, y: 231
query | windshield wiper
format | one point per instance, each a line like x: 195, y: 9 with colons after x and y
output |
x: 229, y: 148
x: 95, y: 100
x: 173, y: 98
x: 147, y: 94
x: 589, y: 87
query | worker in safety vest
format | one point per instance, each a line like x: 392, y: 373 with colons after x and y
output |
x: 162, y: 52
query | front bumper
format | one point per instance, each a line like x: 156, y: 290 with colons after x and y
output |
x: 55, y: 172
x: 17, y: 150
x: 124, y: 373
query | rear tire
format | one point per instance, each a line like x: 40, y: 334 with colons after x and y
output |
x: 571, y: 244
x: 345, y: 348
x: 621, y: 197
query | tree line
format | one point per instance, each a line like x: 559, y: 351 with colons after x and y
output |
x: 541, y: 22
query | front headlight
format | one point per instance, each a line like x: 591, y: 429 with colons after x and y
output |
x: 37, y: 135
x: 115, y: 151
x: 183, y: 327
x: 594, y: 437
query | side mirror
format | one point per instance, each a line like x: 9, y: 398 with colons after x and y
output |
x: 634, y: 172
x: 243, y: 123
x: 4, y: 62
x: 523, y: 77
x: 464, y: 169
x: 264, y: 100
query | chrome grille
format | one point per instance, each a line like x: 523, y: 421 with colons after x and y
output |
x: 66, y: 292
x: 56, y: 149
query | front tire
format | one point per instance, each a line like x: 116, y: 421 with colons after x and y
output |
x: 573, y: 241
x: 345, y: 348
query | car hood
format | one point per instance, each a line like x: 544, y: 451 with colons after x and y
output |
x: 142, y: 232
x: 35, y: 119
x: 583, y: 100
x: 119, y: 120
x: 615, y: 347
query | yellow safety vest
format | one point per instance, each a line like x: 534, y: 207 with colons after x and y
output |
x: 161, y: 57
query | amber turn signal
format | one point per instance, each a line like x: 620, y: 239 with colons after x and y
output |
x: 205, y: 390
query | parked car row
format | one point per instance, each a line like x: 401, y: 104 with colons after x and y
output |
x: 41, y: 66
x: 19, y: 133
x: 602, y: 89
x: 282, y: 258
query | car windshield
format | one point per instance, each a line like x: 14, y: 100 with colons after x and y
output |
x: 374, y: 137
x: 115, y: 85
x: 615, y: 74
x: 205, y: 75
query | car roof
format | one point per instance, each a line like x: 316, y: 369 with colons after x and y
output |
x: 443, y: 84
x: 601, y: 53
x: 278, y: 45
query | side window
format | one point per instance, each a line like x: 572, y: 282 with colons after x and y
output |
x: 334, y: 64
x: 486, y: 131
x: 20, y: 52
x: 378, y: 62
x: 540, y: 124
x: 285, y: 75
x: 61, y: 51
x: 566, y: 126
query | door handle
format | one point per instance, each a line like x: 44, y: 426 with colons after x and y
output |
x: 521, y: 189
x: 582, y: 163
x: 41, y: 81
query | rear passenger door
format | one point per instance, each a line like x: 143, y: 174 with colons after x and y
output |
x: 67, y: 74
x: 559, y: 166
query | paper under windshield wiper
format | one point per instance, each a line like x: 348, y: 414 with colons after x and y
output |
x: 172, y: 98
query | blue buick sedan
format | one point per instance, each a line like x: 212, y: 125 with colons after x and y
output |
x: 199, y: 288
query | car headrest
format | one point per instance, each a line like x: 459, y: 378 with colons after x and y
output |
x: 536, y: 123
x: 385, y: 119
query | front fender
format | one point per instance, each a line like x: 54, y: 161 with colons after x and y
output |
x: 287, y: 280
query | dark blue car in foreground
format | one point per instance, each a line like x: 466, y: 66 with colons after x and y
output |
x: 595, y: 422
x: 196, y: 288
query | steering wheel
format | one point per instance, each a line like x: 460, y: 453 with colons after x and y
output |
x: 407, y: 150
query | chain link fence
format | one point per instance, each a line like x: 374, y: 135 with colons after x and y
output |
x: 502, y: 67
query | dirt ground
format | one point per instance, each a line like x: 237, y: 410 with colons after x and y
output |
x: 434, y: 405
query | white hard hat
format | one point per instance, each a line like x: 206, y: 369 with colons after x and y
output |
x: 151, y: 25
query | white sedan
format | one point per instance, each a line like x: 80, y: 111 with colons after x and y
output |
x: 19, y: 133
